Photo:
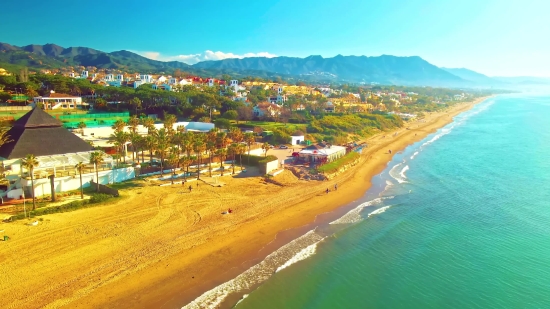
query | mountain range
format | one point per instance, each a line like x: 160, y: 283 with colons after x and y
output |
x: 385, y: 69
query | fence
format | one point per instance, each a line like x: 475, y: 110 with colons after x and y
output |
x: 94, y: 116
x: 15, y: 108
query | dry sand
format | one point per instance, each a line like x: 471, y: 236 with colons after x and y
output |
x: 163, y: 246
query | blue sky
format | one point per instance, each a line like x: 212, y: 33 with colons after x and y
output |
x: 494, y: 37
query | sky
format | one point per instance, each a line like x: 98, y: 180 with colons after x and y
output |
x: 493, y: 37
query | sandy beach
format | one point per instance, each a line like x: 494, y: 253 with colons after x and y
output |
x: 161, y: 247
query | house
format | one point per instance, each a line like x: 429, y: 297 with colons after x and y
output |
x: 210, y: 82
x: 267, y: 110
x: 120, y: 77
x: 60, y: 101
x: 57, y: 151
x: 279, y: 99
x: 109, y: 77
x: 84, y: 74
x: 297, y: 138
x: 162, y: 79
x: 146, y: 78
x: 162, y: 87
x: 322, y: 153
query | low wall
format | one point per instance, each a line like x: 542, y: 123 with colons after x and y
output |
x: 15, y: 108
x: 69, y: 183
x: 269, y: 166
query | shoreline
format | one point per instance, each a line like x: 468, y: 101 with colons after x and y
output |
x: 151, y: 258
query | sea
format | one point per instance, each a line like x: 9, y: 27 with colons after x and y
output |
x: 460, y: 219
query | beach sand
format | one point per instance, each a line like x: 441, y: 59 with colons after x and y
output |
x: 161, y: 247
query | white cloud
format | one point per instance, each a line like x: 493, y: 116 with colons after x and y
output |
x: 207, y: 55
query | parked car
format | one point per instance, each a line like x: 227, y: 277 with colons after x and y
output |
x: 283, y: 147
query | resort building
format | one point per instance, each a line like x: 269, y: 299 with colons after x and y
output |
x: 57, y: 151
x: 322, y: 153
x: 60, y: 101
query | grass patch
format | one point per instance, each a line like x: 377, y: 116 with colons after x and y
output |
x: 335, y: 165
x: 96, y: 199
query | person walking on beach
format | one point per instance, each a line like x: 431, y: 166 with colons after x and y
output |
x: 327, y: 190
x: 389, y: 151
x: 190, y: 188
x: 335, y: 186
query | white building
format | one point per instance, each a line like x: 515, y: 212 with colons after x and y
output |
x: 321, y: 153
x: 146, y: 78
x: 84, y: 74
x: 60, y: 101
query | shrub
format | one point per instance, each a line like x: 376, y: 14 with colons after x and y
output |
x: 100, y: 197
x: 335, y: 165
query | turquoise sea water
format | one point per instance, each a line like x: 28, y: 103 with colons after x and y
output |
x: 464, y: 222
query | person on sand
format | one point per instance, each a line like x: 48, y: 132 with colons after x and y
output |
x: 197, y: 184
x: 229, y: 210
x: 335, y: 186
x: 327, y: 191
x: 389, y: 151
x: 190, y: 188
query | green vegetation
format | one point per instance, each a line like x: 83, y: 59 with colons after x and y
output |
x: 96, y: 199
x: 335, y: 128
x: 257, y: 160
x: 335, y: 165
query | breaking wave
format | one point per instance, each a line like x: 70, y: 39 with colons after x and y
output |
x: 291, y: 253
x: 354, y: 215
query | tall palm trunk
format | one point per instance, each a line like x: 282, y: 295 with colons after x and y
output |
x: 32, y: 190
x: 81, y: 188
x: 97, y: 177
x: 199, y: 167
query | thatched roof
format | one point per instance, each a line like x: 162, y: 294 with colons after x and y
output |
x: 40, y: 134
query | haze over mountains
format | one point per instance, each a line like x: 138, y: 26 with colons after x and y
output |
x: 385, y: 69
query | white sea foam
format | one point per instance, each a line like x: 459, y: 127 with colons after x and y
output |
x: 300, y: 256
x: 389, y: 184
x: 259, y: 272
x: 396, y: 172
x: 354, y: 215
x: 379, y: 211
x: 402, y: 174
x: 414, y: 155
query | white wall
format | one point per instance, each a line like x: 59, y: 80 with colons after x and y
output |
x: 63, y: 184
x: 296, y: 140
x: 271, y: 166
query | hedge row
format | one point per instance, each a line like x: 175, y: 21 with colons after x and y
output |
x: 334, y: 166
x: 95, y: 198
x: 257, y: 160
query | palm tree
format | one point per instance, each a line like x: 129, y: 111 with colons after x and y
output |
x: 135, y: 139
x: 240, y: 150
x: 173, y: 159
x: 133, y: 123
x: 119, y: 139
x: 169, y: 121
x: 149, y: 123
x: 185, y: 161
x: 210, y: 148
x: 232, y: 149
x: 199, y: 147
x: 222, y: 152
x: 236, y: 135
x: 30, y: 162
x: 96, y: 158
x: 81, y: 126
x: 80, y: 168
x: 163, y: 143
x: 119, y: 125
x: 4, y: 137
x: 265, y: 148
x: 151, y: 145
x: 249, y: 139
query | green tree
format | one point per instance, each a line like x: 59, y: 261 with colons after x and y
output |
x: 222, y: 153
x: 119, y: 125
x: 249, y: 139
x: 119, y: 139
x: 30, y: 163
x: 80, y: 168
x: 222, y: 123
x: 265, y: 148
x: 96, y: 158
x: 163, y: 144
x: 231, y: 115
x: 135, y: 102
x: 198, y: 147
x: 81, y: 126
